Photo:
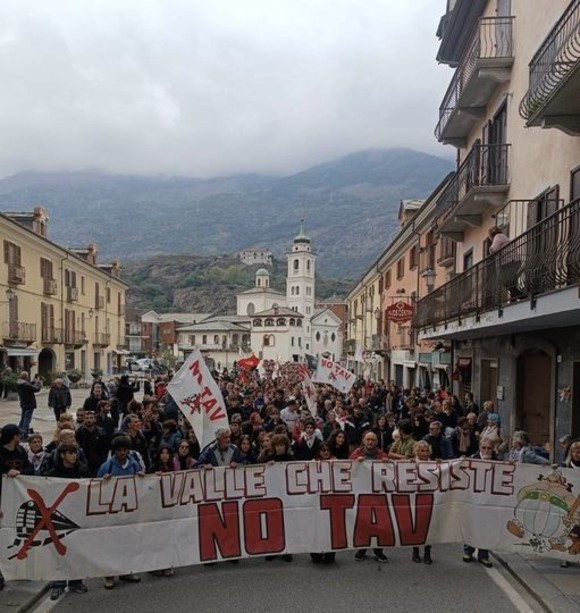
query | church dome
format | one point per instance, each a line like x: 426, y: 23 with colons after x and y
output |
x: 301, y: 236
x: 262, y: 272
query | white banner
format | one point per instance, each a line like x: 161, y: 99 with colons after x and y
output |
x: 334, y: 374
x: 199, y: 398
x: 61, y: 529
x: 311, y: 395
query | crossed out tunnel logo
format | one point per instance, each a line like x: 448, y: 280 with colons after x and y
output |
x: 38, y: 524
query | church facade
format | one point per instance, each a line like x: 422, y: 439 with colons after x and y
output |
x: 279, y: 326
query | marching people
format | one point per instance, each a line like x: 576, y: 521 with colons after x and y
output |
x: 423, y: 453
x: 67, y: 466
x: 522, y: 452
x: 220, y: 453
x: 118, y: 465
x: 487, y: 451
x: 369, y: 451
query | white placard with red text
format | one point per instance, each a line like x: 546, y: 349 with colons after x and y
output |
x: 199, y: 398
x: 334, y: 374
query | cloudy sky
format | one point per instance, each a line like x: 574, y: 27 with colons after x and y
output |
x: 212, y: 87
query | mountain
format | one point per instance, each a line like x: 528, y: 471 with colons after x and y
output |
x: 350, y: 205
x: 205, y: 284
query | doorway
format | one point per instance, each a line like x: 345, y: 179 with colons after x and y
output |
x: 533, y: 395
x: 46, y: 364
x: 488, y: 381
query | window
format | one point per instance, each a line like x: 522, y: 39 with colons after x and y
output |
x: 46, y: 269
x: 257, y: 323
x: 292, y: 321
x: 292, y: 342
x: 235, y: 339
x: 400, y: 268
x: 381, y: 284
x: 299, y: 341
x: 388, y: 279
x: 413, y: 257
x: 269, y: 323
x: 204, y: 339
x: 292, y: 291
x: 11, y: 253
x: 108, y: 295
x: 298, y: 290
x: 308, y: 290
x: 333, y: 337
x: 318, y: 336
x: 269, y: 340
x: 307, y: 310
x: 430, y: 245
x: 308, y: 265
x: 280, y: 321
x: 468, y: 259
x: 216, y: 339
x: 296, y: 266
x: 575, y: 184
x: 299, y: 323
x: 250, y: 309
x: 192, y: 339
x: 82, y: 285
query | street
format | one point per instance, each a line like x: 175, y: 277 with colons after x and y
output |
x: 256, y: 585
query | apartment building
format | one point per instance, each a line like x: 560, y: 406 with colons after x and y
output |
x: 512, y: 112
x: 63, y: 310
x: 382, y: 343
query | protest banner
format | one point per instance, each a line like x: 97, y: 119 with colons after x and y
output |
x: 199, y: 398
x: 63, y: 529
x: 334, y: 374
x: 308, y: 389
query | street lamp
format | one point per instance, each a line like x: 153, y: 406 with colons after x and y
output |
x: 429, y: 276
x: 10, y: 295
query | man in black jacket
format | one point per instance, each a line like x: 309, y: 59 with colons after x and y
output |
x: 27, y: 395
x: 94, y: 442
x: 13, y: 460
x: 59, y: 398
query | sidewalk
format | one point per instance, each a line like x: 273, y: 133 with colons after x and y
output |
x: 557, y: 588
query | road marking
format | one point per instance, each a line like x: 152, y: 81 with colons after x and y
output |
x: 513, y: 595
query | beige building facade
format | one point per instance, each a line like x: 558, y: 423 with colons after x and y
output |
x: 512, y: 111
x: 62, y: 310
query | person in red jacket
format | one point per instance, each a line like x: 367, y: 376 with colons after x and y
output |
x: 370, y: 451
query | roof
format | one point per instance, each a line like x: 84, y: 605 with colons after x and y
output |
x: 262, y: 290
x: 319, y: 314
x: 411, y: 205
x: 278, y: 312
x: 263, y: 271
x: 220, y: 325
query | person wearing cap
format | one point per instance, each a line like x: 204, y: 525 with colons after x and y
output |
x: 27, y: 396
x: 220, y: 453
x: 13, y: 460
x: 290, y: 415
x: 120, y: 464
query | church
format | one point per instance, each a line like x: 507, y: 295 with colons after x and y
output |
x: 269, y: 323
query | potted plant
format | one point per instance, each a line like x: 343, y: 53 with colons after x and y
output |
x: 74, y: 375
x: 10, y: 387
x: 96, y: 373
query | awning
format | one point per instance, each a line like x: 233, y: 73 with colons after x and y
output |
x: 17, y: 352
x: 121, y: 352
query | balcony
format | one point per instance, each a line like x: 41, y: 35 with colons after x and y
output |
x: 99, y: 302
x: 102, y: 339
x: 16, y: 274
x: 49, y: 287
x: 380, y: 344
x: 545, y: 259
x: 447, y: 249
x: 74, y: 338
x: 554, y: 89
x: 481, y: 181
x: 52, y: 336
x: 72, y: 294
x: 19, y: 332
x: 404, y: 339
x: 486, y: 64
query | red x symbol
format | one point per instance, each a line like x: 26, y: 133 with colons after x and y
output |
x: 46, y: 521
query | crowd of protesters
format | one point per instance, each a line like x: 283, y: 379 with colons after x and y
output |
x: 115, y: 434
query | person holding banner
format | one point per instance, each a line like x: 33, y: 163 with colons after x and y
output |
x: 486, y: 452
x: 369, y: 452
x: 423, y: 453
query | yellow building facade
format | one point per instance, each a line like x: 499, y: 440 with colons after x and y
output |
x: 60, y: 310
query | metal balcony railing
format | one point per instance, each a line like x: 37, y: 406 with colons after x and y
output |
x: 484, y: 166
x: 19, y: 331
x: 49, y: 287
x: 544, y: 258
x: 558, y: 55
x: 74, y: 338
x: 512, y: 218
x: 492, y: 40
x: 51, y: 335
x: 102, y: 338
x: 16, y: 274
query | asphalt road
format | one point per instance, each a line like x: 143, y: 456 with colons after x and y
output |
x: 448, y: 585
